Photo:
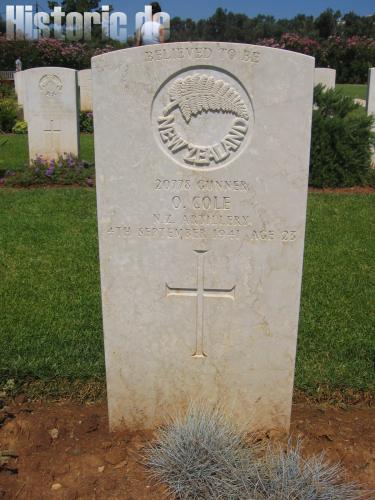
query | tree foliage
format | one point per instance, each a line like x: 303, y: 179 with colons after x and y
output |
x: 227, y: 26
x: 81, y: 6
x: 345, y: 43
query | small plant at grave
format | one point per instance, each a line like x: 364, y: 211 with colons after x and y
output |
x: 287, y: 475
x: 20, y: 127
x: 203, y: 457
x: 86, y: 122
x: 66, y: 170
x: 9, y: 387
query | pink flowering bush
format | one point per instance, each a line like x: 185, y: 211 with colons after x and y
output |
x: 48, y: 52
x: 293, y: 42
x: 351, y: 57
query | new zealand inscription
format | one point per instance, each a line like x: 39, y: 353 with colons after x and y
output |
x: 206, y: 102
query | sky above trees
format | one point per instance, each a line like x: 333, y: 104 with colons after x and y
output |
x: 287, y: 8
x: 198, y: 9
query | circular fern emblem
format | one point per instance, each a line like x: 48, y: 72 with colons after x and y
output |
x: 50, y: 85
x: 203, y: 119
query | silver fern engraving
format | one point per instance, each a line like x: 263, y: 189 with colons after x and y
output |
x: 191, y: 95
x: 199, y: 93
x: 50, y: 85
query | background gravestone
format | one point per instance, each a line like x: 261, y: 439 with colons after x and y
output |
x: 85, y: 89
x: 20, y: 91
x: 51, y: 104
x: 326, y: 77
x: 371, y: 92
x: 370, y: 106
x: 202, y: 154
x: 18, y: 87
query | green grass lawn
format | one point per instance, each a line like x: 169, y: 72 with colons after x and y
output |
x: 49, y: 285
x: 50, y: 320
x: 14, y: 151
x: 337, y: 327
x: 355, y: 91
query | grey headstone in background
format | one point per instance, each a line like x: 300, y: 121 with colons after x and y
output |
x: 326, y: 77
x: 85, y: 89
x: 370, y: 102
x: 202, y: 155
x: 371, y: 92
x: 19, y: 87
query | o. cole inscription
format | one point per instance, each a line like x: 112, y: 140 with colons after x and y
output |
x: 202, y: 169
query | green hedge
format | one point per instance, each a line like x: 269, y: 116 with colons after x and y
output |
x: 341, y: 141
x: 8, y: 114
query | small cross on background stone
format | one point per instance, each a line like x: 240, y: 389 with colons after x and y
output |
x: 53, y: 135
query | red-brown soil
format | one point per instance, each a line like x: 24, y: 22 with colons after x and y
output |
x: 63, y: 450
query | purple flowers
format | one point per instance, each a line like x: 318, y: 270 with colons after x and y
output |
x: 50, y: 171
x: 64, y: 170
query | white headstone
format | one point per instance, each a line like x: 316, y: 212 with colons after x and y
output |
x: 326, y: 77
x: 17, y: 83
x: 85, y: 88
x: 51, y: 97
x: 202, y: 156
x: 20, y: 91
x: 371, y: 92
x: 370, y: 103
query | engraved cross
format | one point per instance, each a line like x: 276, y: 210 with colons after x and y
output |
x: 52, y: 133
x: 200, y: 292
